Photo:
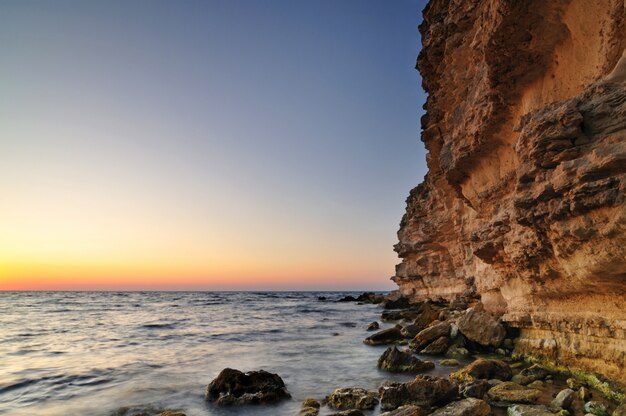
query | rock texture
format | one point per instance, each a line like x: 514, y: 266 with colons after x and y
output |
x: 524, y: 205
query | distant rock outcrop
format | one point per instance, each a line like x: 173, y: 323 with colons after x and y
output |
x: 524, y: 203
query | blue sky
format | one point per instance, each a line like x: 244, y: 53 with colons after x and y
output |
x: 247, y: 141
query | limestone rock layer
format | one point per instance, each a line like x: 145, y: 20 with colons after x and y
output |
x: 524, y: 205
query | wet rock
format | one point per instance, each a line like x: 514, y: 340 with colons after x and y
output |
x: 373, y: 326
x: 321, y: 298
x: 465, y: 407
x: 457, y: 352
x: 386, y: 336
x: 596, y: 408
x: 171, y: 413
x: 528, y: 410
x: 437, y: 347
x: 449, y: 362
x: 564, y: 399
x: 347, y: 299
x: 397, y: 361
x: 233, y: 387
x: 423, y: 391
x: 509, y: 392
x: 352, y: 398
x: 310, y: 407
x: 428, y: 335
x: 409, y: 410
x: 484, y: 369
x: 476, y: 389
x: 479, y: 326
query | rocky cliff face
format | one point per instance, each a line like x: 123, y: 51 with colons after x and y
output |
x: 524, y: 203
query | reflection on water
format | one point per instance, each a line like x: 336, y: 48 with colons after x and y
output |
x: 90, y: 353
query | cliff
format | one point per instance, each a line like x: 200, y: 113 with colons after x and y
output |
x: 524, y: 205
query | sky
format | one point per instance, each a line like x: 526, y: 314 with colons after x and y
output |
x: 206, y: 145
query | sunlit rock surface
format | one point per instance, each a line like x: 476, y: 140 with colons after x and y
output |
x: 523, y: 205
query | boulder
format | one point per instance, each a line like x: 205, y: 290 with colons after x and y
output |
x: 509, y: 392
x: 465, y: 407
x: 596, y: 408
x: 484, y: 369
x: 397, y: 361
x: 427, y: 314
x: 476, y: 389
x: 528, y: 410
x: 233, y: 387
x: 395, y: 301
x: 437, y: 347
x: 352, y: 398
x: 347, y: 299
x: 423, y: 391
x: 409, y: 410
x: 396, y: 315
x: 386, y: 336
x: 481, y: 327
x: 374, y: 326
x: 457, y: 352
x: 428, y: 335
x: 564, y: 399
x: 449, y: 362
x: 370, y: 297
x: 310, y: 407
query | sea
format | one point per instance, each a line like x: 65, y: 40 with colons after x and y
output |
x: 97, y: 353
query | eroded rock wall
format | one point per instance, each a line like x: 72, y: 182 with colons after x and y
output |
x: 524, y: 203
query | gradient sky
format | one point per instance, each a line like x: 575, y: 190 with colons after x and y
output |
x: 206, y: 144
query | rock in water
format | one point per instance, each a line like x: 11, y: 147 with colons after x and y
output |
x: 233, y: 387
x: 386, y: 336
x: 397, y: 361
x: 352, y: 398
x: 466, y: 407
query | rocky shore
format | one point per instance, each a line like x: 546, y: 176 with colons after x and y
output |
x: 485, y: 377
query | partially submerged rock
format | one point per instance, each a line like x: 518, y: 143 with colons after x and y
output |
x: 310, y: 407
x: 564, y: 399
x: 423, y: 391
x: 437, y: 347
x: 397, y: 361
x: 509, y: 392
x: 352, y: 398
x: 374, y: 326
x: 466, y: 407
x: 233, y: 387
x: 386, y: 336
x: 484, y: 369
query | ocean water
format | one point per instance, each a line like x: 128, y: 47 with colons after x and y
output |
x: 90, y: 353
